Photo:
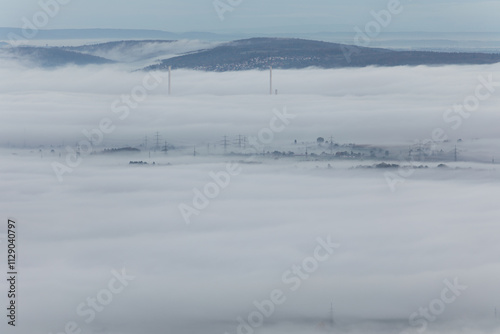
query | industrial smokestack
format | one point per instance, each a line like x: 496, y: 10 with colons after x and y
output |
x: 270, y: 80
x: 169, y: 80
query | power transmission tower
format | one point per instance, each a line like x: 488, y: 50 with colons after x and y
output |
x: 240, y: 141
x: 157, y: 136
x: 225, y: 143
x: 146, y: 142
x: 194, y: 151
x: 165, y: 148
x: 332, y: 320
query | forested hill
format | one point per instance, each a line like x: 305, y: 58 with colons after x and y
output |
x: 286, y: 53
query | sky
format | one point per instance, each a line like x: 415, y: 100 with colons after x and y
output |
x: 290, y: 16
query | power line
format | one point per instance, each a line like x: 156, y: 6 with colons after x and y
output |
x: 240, y: 141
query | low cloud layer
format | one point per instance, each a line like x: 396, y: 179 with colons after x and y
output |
x: 363, y: 106
x: 144, y: 52
x: 398, y: 249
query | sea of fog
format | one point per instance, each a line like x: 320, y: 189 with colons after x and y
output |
x: 215, y: 237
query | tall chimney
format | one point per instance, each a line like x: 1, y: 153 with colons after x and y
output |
x: 270, y: 80
x: 169, y: 80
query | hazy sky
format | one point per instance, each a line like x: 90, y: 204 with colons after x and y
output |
x: 260, y: 15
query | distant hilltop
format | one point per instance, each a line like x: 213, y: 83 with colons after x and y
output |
x: 289, y: 53
x: 238, y: 55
